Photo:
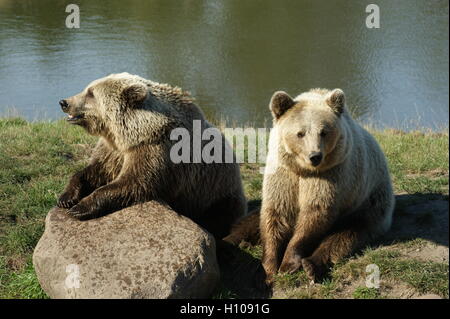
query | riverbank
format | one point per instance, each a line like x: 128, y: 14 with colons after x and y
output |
x: 36, y: 160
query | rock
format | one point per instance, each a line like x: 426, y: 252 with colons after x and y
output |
x: 143, y: 251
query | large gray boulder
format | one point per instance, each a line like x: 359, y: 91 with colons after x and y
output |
x: 144, y: 251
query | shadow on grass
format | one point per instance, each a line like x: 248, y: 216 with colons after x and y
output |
x: 416, y: 216
x: 242, y: 275
x: 422, y: 216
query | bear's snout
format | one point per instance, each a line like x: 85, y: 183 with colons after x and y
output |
x: 315, y: 158
x: 64, y: 105
x: 74, y: 114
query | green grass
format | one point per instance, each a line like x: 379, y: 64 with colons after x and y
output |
x: 424, y: 276
x: 37, y: 159
x: 395, y: 269
x: 418, y: 162
x: 366, y: 293
x: 20, y: 284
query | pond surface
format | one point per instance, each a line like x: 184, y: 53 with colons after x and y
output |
x: 233, y: 54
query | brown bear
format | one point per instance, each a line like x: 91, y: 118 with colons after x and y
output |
x: 133, y: 163
x: 326, y: 190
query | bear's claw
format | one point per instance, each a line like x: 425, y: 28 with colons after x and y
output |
x: 67, y: 200
x: 291, y: 264
x: 315, y: 271
x: 81, y: 212
x: 66, y: 203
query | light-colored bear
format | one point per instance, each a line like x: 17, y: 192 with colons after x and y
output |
x: 131, y: 163
x: 326, y: 190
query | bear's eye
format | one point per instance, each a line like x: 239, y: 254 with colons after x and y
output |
x: 90, y: 93
x: 323, y: 133
x: 301, y: 134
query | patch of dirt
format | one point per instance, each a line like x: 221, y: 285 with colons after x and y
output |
x: 427, y: 221
x: 303, y: 292
x: 431, y: 174
x: 346, y: 289
x: 430, y: 252
x: 389, y: 289
x: 398, y: 290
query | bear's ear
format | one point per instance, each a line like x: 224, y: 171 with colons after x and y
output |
x: 336, y: 100
x: 280, y: 103
x: 135, y: 93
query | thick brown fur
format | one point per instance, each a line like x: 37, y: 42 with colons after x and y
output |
x: 313, y: 215
x: 245, y: 232
x: 131, y: 163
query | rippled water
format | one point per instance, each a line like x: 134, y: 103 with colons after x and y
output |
x: 232, y: 55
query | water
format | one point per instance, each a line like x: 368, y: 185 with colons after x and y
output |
x: 232, y: 55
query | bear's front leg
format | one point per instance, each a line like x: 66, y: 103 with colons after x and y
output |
x: 270, y: 260
x: 130, y: 187
x: 138, y: 181
x: 81, y: 184
x: 70, y: 197
x: 273, y: 240
x: 312, y: 225
x: 111, y: 197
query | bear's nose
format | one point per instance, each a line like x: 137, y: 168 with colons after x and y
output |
x: 64, y: 105
x: 315, y: 158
